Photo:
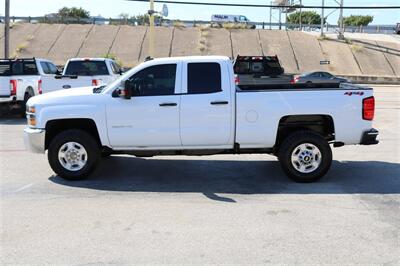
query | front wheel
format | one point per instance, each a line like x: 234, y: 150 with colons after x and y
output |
x: 305, y: 156
x: 73, y: 154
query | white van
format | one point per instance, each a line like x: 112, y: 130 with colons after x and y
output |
x: 220, y: 19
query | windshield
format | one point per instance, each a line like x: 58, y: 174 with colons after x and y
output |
x: 86, y: 68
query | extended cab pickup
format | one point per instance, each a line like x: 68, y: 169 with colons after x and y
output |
x: 191, y: 106
x: 84, y: 72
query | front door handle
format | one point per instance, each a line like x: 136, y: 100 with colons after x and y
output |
x: 219, y: 102
x: 168, y: 104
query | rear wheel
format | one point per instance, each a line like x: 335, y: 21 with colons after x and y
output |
x: 305, y: 156
x: 27, y: 96
x: 73, y: 154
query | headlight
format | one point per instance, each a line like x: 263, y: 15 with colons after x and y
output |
x: 31, y: 115
x: 30, y: 109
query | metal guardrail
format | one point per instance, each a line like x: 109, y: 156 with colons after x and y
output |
x: 385, y: 29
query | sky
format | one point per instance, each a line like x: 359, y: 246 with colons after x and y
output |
x: 112, y: 8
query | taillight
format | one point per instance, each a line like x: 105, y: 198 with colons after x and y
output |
x: 13, y: 87
x: 237, y: 80
x: 95, y: 82
x: 293, y: 81
x: 39, y: 87
x: 368, y: 110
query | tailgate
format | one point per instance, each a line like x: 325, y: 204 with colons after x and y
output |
x: 4, y: 86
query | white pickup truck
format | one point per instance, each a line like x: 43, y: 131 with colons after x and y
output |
x: 22, y: 78
x: 83, y: 72
x: 191, y: 106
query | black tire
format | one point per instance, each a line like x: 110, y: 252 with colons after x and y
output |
x: 105, y: 154
x: 291, y: 143
x: 309, y: 84
x: 83, y: 138
x: 22, y: 110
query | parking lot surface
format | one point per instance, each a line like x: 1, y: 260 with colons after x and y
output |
x: 214, y: 209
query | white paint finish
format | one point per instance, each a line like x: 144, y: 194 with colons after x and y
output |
x: 346, y: 112
x: 72, y: 104
x: 140, y: 123
x: 50, y: 83
x: 204, y: 124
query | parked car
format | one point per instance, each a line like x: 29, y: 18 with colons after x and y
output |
x: 237, y: 19
x: 259, y: 70
x: 21, y: 79
x: 191, y: 106
x: 83, y: 72
x: 397, y: 28
x: 318, y: 77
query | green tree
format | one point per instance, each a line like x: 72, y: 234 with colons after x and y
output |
x: 307, y: 17
x: 354, y: 20
x: 145, y: 19
x: 73, y: 12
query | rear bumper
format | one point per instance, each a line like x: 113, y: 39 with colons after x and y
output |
x: 7, y: 99
x: 34, y: 139
x: 369, y: 137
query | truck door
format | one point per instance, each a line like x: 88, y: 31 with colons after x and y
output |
x: 49, y: 70
x: 150, y: 119
x: 206, y: 105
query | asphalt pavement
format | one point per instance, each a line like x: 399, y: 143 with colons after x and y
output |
x: 225, y: 209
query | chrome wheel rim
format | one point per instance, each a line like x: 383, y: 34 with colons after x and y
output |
x: 72, y: 156
x: 306, y: 158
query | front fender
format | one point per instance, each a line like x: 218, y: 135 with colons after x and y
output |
x: 78, y: 111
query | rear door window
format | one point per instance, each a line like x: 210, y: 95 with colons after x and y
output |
x: 52, y: 68
x: 204, y: 78
x: 45, y: 67
x: 86, y: 68
x: 5, y: 69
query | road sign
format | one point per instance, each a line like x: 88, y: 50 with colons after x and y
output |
x: 325, y: 62
x: 164, y: 11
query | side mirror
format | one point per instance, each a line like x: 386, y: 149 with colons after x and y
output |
x: 125, y: 91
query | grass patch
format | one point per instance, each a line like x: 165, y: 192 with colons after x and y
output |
x: 323, y: 38
x: 20, y: 48
x: 356, y: 47
x: 178, y: 24
x: 231, y: 26
x: 113, y: 57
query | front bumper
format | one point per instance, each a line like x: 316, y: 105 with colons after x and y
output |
x: 369, y: 137
x: 34, y: 139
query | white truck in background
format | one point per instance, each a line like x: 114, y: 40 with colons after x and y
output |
x: 191, y: 106
x: 21, y: 79
x: 84, y: 72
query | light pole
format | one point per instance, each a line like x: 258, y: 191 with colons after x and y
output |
x: 300, y: 15
x: 7, y: 30
x: 322, y: 18
x: 341, y: 26
x: 270, y: 16
x: 151, y: 32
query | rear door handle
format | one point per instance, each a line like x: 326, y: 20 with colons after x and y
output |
x: 168, y: 104
x: 219, y: 102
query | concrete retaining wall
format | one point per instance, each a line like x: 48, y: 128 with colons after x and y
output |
x: 277, y: 43
x: 99, y: 41
x: 299, y: 52
x: 69, y: 43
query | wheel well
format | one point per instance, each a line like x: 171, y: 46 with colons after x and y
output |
x: 30, y: 89
x: 54, y: 127
x: 322, y: 124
